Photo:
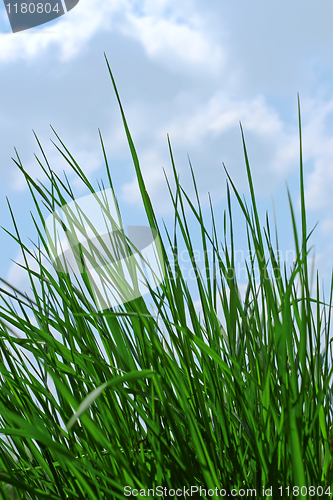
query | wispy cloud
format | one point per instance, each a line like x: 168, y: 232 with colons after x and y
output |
x: 189, y: 69
x: 68, y: 35
x: 179, y: 46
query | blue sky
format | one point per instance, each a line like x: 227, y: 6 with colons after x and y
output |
x: 190, y: 69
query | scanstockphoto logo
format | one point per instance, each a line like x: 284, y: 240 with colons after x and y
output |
x: 25, y: 15
x: 86, y: 237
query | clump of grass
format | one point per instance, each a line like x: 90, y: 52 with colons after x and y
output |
x: 144, y: 398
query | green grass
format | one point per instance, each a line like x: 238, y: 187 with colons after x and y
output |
x: 142, y: 396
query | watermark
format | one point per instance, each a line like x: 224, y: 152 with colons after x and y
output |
x: 86, y: 237
x: 239, y: 255
x: 198, y: 263
x: 24, y: 15
x: 194, y: 491
x: 217, y: 492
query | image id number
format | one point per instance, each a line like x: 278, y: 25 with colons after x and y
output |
x: 32, y: 8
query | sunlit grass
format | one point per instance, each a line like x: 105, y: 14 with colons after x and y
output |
x: 141, y: 396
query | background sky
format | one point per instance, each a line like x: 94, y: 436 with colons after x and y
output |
x: 190, y: 69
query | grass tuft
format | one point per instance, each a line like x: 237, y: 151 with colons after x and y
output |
x: 149, y: 395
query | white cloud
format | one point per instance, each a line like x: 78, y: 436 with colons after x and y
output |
x: 221, y: 113
x: 178, y: 45
x: 152, y: 164
x: 185, y: 68
x: 69, y: 34
x: 318, y: 151
x: 272, y: 145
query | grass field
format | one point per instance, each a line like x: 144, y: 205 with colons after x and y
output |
x: 110, y: 404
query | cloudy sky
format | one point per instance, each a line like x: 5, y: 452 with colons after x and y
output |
x: 190, y: 69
